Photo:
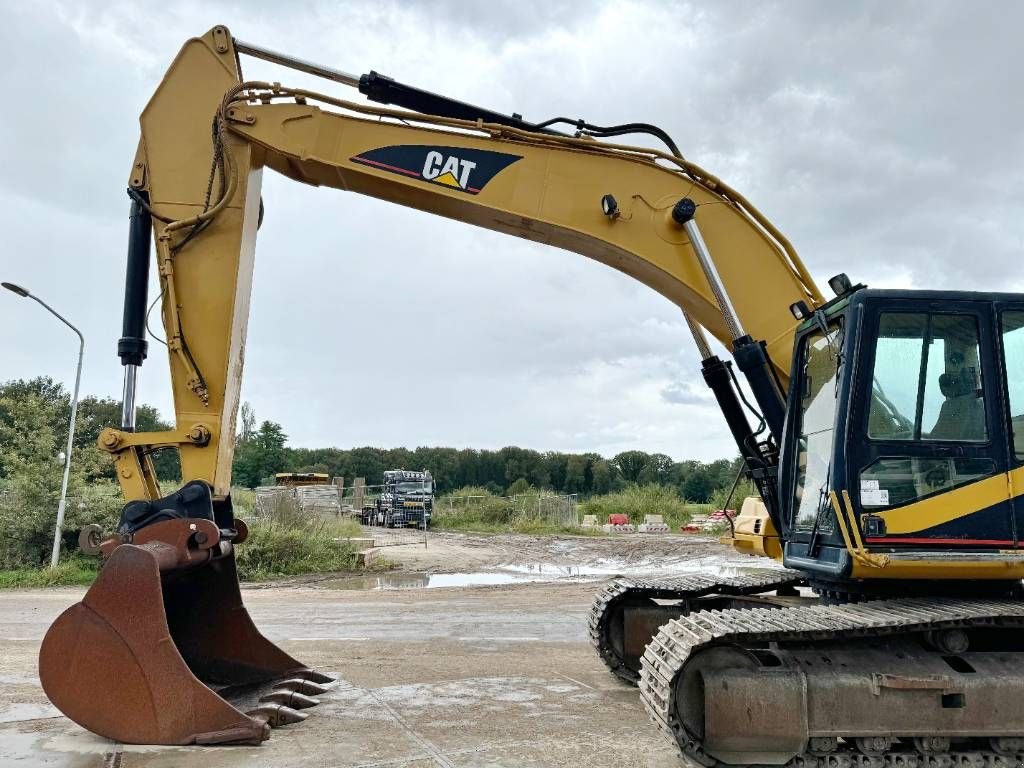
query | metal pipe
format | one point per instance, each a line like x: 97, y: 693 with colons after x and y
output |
x: 62, y: 504
x: 309, y: 67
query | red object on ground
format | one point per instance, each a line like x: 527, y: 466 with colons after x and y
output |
x: 618, y: 519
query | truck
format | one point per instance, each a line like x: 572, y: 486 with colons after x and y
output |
x: 406, y: 500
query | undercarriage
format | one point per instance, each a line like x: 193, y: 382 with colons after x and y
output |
x: 742, y: 675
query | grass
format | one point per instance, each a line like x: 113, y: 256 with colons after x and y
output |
x: 77, y: 570
x: 479, y: 511
x: 272, y: 552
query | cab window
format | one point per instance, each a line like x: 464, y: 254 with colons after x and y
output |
x: 926, y: 382
x: 926, y: 386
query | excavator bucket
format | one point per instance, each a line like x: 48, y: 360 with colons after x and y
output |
x: 162, y: 651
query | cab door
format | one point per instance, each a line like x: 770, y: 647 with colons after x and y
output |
x: 929, y: 464
x: 1010, y: 327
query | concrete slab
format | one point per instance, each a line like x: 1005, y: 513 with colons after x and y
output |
x: 487, y: 677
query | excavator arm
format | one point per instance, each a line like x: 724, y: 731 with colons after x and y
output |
x: 207, y: 136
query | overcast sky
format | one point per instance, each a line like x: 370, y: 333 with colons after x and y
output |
x: 884, y: 138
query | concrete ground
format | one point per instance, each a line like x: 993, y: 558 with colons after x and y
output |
x: 459, y: 677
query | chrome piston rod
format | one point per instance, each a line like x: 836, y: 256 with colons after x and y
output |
x: 309, y: 67
x: 131, y: 373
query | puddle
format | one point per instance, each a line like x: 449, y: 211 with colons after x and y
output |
x: 714, y: 565
x: 388, y: 581
x: 519, y: 573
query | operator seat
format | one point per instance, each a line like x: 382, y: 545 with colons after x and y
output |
x: 962, y: 416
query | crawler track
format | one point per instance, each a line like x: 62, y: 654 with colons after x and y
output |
x: 677, y: 588
x: 678, y: 640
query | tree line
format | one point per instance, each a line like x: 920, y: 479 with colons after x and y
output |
x: 40, y: 406
x: 262, y: 451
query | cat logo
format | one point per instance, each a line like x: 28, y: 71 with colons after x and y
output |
x: 450, y: 171
x: 457, y: 168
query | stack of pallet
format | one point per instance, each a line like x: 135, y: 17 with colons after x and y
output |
x: 653, y: 524
x: 716, y: 521
x: 618, y: 524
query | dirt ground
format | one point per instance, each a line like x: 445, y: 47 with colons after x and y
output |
x: 484, y: 676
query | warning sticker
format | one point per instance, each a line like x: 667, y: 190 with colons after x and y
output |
x: 869, y: 485
x: 874, y: 497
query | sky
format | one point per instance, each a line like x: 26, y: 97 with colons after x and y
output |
x: 884, y: 139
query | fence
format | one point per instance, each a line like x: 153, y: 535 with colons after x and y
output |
x: 367, y: 505
x: 555, y: 509
x: 322, y: 501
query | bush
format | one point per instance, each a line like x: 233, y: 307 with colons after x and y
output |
x: 639, y: 500
x: 285, y: 542
x: 28, y: 514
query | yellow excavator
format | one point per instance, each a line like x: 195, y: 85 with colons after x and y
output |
x: 881, y: 428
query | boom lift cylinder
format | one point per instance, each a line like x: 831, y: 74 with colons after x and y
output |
x: 132, y: 345
x: 751, y: 356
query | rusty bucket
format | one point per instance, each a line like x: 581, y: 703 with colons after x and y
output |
x: 162, y: 651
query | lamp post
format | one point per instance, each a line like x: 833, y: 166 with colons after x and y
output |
x: 24, y: 293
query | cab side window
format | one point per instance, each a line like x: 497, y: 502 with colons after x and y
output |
x: 1013, y: 358
x: 926, y: 381
x: 927, y: 386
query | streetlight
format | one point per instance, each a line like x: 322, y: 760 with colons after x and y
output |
x: 24, y: 293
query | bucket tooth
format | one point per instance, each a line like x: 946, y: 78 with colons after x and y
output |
x: 299, y: 685
x: 290, y: 699
x: 314, y: 676
x: 112, y: 664
x: 276, y: 715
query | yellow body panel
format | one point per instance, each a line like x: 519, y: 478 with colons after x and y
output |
x: 1010, y: 567
x: 753, y: 532
x: 953, y: 504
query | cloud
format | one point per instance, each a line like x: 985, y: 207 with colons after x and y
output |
x: 884, y: 139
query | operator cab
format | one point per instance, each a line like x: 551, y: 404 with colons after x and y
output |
x: 912, y: 402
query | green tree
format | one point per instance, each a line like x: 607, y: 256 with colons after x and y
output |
x: 576, y: 473
x: 604, y: 476
x: 656, y: 471
x: 263, y: 455
x: 630, y: 464
x: 698, y: 486
x: 30, y: 449
x: 246, y: 423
